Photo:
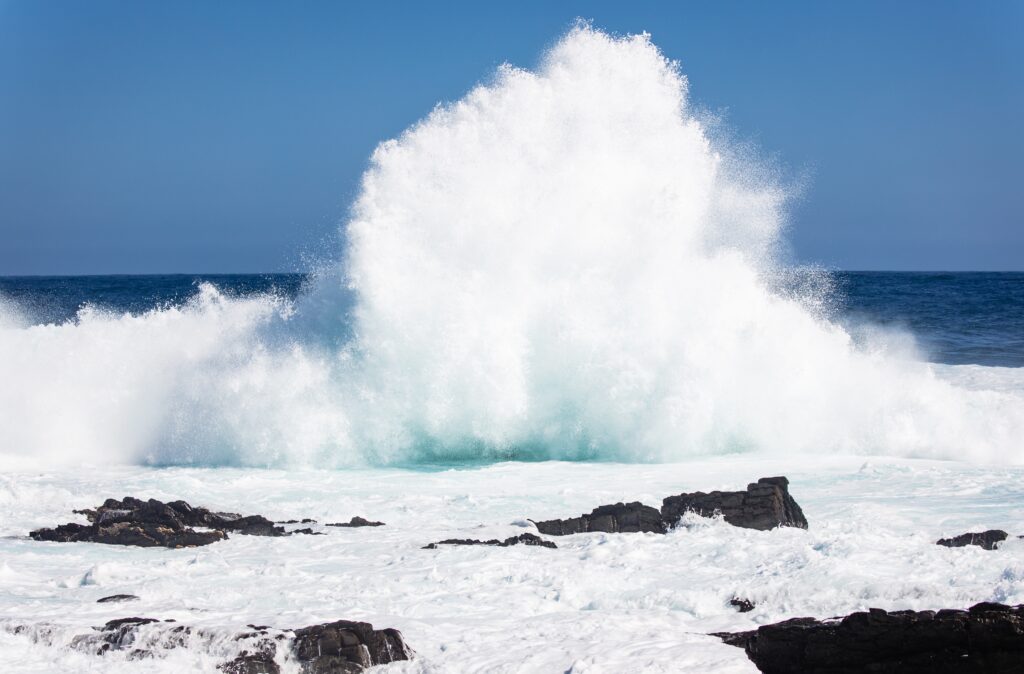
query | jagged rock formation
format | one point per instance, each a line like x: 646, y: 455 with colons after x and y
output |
x: 618, y: 518
x: 985, y: 639
x: 989, y: 540
x: 521, y: 539
x: 153, y: 523
x: 765, y: 504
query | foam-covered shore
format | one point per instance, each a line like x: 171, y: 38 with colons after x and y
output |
x: 598, y: 603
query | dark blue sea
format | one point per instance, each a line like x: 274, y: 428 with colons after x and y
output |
x: 956, y: 318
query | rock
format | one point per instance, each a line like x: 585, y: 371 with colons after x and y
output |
x: 345, y: 646
x: 116, y: 597
x: 250, y: 663
x: 987, y: 638
x: 521, y: 539
x: 765, y: 504
x: 618, y: 518
x: 988, y: 540
x: 305, y: 520
x: 152, y: 523
x: 144, y: 535
x: 341, y: 647
x: 355, y: 522
x: 741, y: 605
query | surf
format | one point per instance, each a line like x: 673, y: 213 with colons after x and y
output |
x: 569, y: 262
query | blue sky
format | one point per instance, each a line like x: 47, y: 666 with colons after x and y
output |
x: 201, y: 137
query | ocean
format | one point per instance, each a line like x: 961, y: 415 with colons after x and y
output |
x: 561, y: 291
x: 956, y: 318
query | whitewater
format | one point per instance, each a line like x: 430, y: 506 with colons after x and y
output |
x: 568, y: 288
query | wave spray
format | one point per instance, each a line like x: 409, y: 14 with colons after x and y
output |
x: 566, y: 263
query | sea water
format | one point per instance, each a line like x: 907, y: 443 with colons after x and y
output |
x: 563, y: 290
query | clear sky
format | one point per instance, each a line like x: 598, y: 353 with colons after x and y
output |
x: 230, y: 136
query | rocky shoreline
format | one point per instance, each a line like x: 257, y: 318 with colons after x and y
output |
x: 985, y: 638
x: 339, y: 647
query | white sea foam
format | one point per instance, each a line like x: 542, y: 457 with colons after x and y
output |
x: 599, y: 603
x: 566, y: 263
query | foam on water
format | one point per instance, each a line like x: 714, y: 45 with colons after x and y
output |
x: 566, y: 263
x: 599, y: 603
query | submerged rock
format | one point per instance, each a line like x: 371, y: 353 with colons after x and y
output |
x: 153, y: 523
x: 765, y: 504
x: 989, y: 540
x: 355, y: 522
x: 741, y: 605
x: 987, y: 638
x: 116, y: 597
x: 618, y: 518
x: 521, y: 539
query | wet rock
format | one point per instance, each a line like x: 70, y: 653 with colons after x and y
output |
x: 521, y: 539
x: 346, y: 647
x: 152, y: 523
x: 986, y: 639
x: 306, y: 532
x: 741, y: 605
x: 989, y: 540
x: 250, y: 663
x: 341, y: 647
x: 765, y: 504
x: 116, y: 597
x: 305, y: 520
x: 618, y: 518
x: 355, y: 522
x: 144, y: 535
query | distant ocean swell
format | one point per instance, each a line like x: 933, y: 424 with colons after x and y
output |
x: 565, y: 263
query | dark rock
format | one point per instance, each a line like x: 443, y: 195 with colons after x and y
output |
x: 305, y: 520
x: 741, y: 605
x: 116, y: 597
x: 306, y: 532
x: 521, y: 539
x: 618, y: 518
x: 355, y: 522
x: 989, y: 540
x: 258, y: 659
x: 125, y: 533
x: 250, y: 663
x: 345, y: 646
x: 342, y: 647
x: 152, y: 523
x: 986, y: 639
x: 765, y: 504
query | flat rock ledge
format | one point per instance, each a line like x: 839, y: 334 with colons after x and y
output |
x: 340, y: 647
x: 985, y: 639
x: 988, y: 540
x: 153, y: 523
x: 766, y: 504
x: 521, y: 539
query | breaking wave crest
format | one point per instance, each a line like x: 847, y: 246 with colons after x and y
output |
x: 566, y: 263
